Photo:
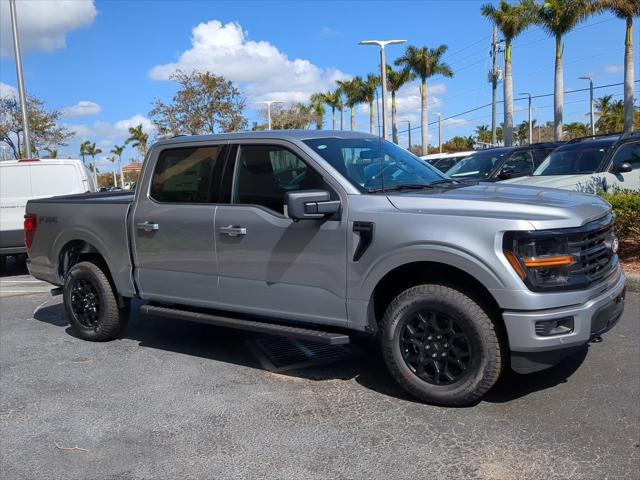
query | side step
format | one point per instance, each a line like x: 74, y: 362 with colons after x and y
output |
x: 318, y: 336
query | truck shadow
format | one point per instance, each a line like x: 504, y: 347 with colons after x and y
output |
x: 362, y: 363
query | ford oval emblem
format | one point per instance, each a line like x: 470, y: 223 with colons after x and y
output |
x: 614, y: 245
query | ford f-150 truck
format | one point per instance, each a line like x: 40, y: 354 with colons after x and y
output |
x: 324, y: 235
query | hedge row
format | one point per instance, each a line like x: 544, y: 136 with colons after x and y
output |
x: 626, y: 205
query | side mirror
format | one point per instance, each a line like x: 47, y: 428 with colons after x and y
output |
x: 310, y: 204
x: 505, y: 173
x: 623, y: 167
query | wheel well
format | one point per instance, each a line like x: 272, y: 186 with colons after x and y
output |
x: 80, y: 251
x: 409, y: 275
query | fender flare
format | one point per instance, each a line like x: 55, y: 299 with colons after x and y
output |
x: 431, y: 252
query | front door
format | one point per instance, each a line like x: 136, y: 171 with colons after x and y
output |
x: 268, y: 264
x: 628, y: 152
x: 173, y: 226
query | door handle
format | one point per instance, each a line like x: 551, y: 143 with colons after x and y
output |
x: 233, y: 230
x: 148, y: 226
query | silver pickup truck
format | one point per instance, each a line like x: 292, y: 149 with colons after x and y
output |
x: 325, y: 235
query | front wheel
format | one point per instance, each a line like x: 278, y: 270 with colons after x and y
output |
x: 440, y: 345
x: 91, y: 304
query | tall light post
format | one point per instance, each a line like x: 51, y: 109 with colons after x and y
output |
x: 439, y: 130
x: 383, y: 75
x: 21, y: 92
x: 269, y: 103
x: 530, y: 124
x: 593, y: 125
x: 408, y: 122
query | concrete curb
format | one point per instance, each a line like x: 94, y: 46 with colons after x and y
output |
x: 633, y: 282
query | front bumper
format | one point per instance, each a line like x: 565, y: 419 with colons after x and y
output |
x: 531, y: 352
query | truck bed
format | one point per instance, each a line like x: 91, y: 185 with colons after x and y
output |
x: 97, y: 222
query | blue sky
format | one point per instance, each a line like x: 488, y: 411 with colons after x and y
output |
x: 114, y: 56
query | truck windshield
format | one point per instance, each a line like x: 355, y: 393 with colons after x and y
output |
x: 372, y: 165
x: 478, y: 165
x: 573, y: 160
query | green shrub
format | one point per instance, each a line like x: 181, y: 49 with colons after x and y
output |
x: 626, y: 206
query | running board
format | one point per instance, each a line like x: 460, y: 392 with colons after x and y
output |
x: 327, y: 338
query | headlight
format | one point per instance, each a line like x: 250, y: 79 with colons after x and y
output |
x: 541, y: 261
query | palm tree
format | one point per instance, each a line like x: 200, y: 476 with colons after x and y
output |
x: 559, y: 17
x: 112, y: 159
x: 368, y: 93
x: 610, y: 114
x: 53, y: 152
x: 483, y: 134
x: 318, y: 101
x: 90, y: 149
x: 334, y: 100
x: 577, y: 130
x: 83, y: 149
x: 425, y: 62
x: 138, y: 139
x: 395, y: 80
x: 511, y: 20
x: 352, y: 90
x: 118, y: 150
x: 626, y: 10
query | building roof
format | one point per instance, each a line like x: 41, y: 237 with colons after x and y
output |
x: 132, y: 167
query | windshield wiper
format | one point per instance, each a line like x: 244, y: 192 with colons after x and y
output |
x: 401, y: 186
x: 444, y: 180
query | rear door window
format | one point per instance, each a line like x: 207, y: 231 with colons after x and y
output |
x: 187, y: 175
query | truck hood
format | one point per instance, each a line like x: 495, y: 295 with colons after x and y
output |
x: 543, y: 208
x: 589, y: 183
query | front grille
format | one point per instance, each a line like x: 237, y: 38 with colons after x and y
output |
x: 592, y: 246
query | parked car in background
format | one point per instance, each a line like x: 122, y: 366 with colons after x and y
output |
x: 495, y: 164
x: 23, y: 180
x: 591, y: 164
x: 322, y: 235
x: 444, y: 161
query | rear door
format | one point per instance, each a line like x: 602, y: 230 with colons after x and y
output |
x: 268, y: 264
x: 173, y: 225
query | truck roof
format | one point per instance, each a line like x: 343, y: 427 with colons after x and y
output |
x: 268, y: 134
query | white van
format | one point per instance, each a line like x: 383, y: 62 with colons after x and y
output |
x: 22, y: 180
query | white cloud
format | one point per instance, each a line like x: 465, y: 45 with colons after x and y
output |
x: 83, y: 108
x: 44, y: 25
x: 106, y: 133
x: 259, y: 67
x: 455, y: 122
x: 8, y: 91
x: 330, y: 32
x: 614, y: 69
x: 408, y: 101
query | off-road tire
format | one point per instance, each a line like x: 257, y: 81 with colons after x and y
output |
x: 483, y: 337
x: 110, y: 319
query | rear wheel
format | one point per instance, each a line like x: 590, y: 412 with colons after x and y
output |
x: 441, y: 346
x: 91, y: 304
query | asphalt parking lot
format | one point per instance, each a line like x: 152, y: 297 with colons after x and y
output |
x: 172, y: 399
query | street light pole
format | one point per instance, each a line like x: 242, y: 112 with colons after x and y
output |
x: 408, y: 131
x: 269, y: 103
x: 439, y: 131
x: 593, y: 125
x: 21, y: 92
x: 530, y: 124
x: 383, y: 75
